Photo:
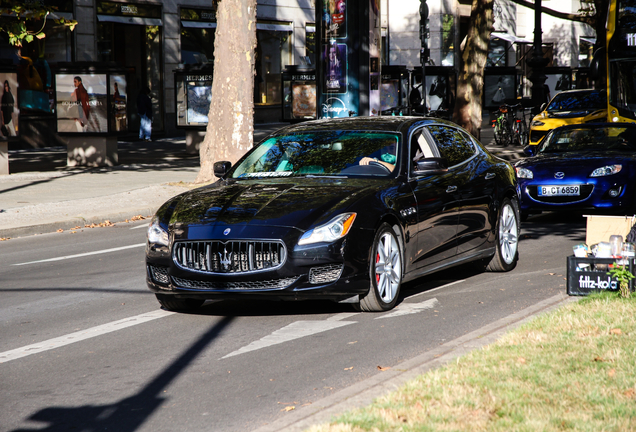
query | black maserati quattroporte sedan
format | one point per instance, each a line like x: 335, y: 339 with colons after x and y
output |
x: 340, y: 209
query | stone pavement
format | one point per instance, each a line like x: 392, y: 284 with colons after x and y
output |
x: 43, y: 195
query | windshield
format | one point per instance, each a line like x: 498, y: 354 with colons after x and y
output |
x: 571, y: 101
x: 621, y: 139
x: 322, y: 153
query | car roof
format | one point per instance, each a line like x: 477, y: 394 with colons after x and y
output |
x: 377, y: 123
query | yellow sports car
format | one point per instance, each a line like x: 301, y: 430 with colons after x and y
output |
x: 569, y: 107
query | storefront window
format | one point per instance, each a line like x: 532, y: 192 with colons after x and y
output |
x: 310, y: 44
x: 273, y: 53
x: 34, y: 61
x: 497, y: 53
x: 448, y: 40
x: 198, y: 27
x: 586, y: 48
x: 131, y: 36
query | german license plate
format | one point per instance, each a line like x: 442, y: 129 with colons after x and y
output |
x: 559, y: 190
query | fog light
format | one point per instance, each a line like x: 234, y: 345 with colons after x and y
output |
x: 614, y: 192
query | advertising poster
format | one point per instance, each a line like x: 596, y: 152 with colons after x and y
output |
x: 304, y: 100
x: 199, y: 94
x: 334, y: 19
x: 389, y: 94
x: 118, y: 97
x: 81, y: 101
x: 498, y: 89
x: 335, y: 67
x: 10, y: 112
x: 375, y: 67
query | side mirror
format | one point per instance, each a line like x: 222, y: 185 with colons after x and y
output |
x: 430, y: 166
x: 221, y: 168
x: 530, y: 150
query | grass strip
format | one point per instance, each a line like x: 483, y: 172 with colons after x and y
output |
x: 571, y: 369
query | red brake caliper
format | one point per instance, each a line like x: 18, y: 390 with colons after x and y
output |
x: 377, y: 260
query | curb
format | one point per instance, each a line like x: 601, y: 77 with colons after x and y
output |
x: 68, y: 224
x: 363, y: 393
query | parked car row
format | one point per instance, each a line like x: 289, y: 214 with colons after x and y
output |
x: 350, y: 209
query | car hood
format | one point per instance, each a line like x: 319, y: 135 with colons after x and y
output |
x: 296, y: 203
x: 589, y: 114
x: 574, y: 163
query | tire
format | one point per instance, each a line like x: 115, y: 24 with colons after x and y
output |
x: 172, y: 303
x: 385, y: 272
x: 498, y: 137
x: 506, y: 253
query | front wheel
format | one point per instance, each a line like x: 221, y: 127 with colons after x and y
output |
x: 385, y: 272
x: 506, y: 253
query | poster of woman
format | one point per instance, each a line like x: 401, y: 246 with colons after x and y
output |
x: 81, y: 103
x: 9, y: 108
x: 335, y: 61
x: 118, y: 120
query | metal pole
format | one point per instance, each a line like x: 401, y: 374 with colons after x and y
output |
x: 537, y: 62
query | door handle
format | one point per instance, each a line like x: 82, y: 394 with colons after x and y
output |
x: 490, y: 176
x: 451, y: 189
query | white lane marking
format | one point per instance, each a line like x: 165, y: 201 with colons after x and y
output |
x: 341, y: 316
x: 296, y: 330
x: 410, y: 308
x: 140, y: 226
x: 81, y: 335
x: 83, y: 254
x: 438, y: 288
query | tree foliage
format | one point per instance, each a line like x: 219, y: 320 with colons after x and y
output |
x: 24, y: 20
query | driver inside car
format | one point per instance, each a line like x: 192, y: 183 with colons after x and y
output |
x: 387, y: 158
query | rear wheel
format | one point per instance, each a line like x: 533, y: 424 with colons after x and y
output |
x: 385, y: 272
x: 172, y: 303
x: 506, y: 254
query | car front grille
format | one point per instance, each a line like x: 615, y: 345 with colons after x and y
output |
x: 325, y: 274
x: 230, y: 256
x: 159, y: 274
x: 226, y: 285
x: 586, y: 191
x: 536, y: 135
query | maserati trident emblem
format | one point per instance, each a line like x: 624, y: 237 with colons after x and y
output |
x: 559, y: 175
x: 225, y: 259
x: 226, y: 231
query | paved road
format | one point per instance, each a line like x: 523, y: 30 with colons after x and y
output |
x: 85, y: 344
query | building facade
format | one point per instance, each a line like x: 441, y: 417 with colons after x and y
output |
x: 153, y: 40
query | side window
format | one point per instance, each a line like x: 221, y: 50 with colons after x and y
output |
x: 422, y: 146
x: 452, y: 144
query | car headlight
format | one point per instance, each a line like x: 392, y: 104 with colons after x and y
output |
x: 335, y: 229
x: 156, y: 234
x: 537, y: 123
x: 606, y: 170
x: 524, y: 173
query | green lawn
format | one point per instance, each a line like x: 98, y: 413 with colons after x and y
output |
x: 572, y: 369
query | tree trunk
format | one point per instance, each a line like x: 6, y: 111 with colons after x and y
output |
x: 230, y: 127
x: 470, y: 83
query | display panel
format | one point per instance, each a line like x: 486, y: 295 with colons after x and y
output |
x: 118, y: 98
x: 304, y: 100
x: 9, y: 126
x: 498, y: 89
x: 199, y: 97
x: 81, y: 101
x: 335, y: 66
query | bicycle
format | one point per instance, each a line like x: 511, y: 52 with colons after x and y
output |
x: 503, y: 125
x: 521, y: 135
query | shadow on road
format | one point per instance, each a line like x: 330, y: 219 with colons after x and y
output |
x: 130, y: 413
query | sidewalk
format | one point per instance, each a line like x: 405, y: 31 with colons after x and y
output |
x: 43, y: 195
